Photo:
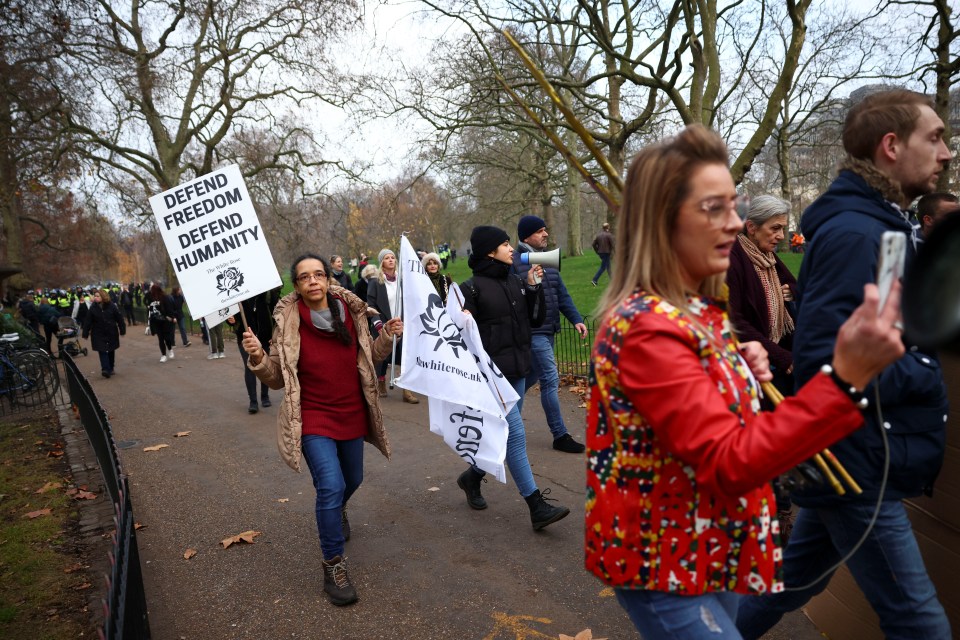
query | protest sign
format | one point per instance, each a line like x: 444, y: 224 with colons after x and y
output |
x: 215, y: 241
x: 217, y: 317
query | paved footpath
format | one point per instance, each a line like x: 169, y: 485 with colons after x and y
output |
x: 425, y: 565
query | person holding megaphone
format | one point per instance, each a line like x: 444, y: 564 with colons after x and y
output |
x: 531, y: 249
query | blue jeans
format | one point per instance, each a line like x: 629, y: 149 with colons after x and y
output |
x: 604, y: 266
x: 669, y: 616
x: 544, y: 370
x: 516, y: 459
x: 337, y: 470
x: 182, y: 323
x: 888, y: 568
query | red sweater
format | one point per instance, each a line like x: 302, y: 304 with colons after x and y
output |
x: 331, y: 400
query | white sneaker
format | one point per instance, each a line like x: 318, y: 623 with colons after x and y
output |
x: 170, y: 353
x: 163, y: 358
x: 212, y: 356
x: 220, y: 355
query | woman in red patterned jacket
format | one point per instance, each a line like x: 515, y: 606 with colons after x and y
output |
x: 680, y: 513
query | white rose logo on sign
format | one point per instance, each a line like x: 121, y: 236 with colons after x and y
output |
x: 229, y: 280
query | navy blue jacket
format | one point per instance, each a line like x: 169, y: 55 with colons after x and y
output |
x: 843, y: 229
x: 557, y: 298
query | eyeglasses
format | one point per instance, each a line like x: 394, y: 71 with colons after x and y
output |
x: 718, y: 208
x: 304, y: 278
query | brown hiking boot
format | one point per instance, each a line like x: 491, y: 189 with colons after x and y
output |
x: 382, y: 388
x: 409, y: 398
x: 336, y: 582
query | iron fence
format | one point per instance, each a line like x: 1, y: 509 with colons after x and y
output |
x: 125, y: 606
x: 573, y: 352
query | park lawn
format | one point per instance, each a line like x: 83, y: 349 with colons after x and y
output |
x: 41, y: 584
x: 576, y: 272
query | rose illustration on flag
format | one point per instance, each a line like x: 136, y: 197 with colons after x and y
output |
x: 437, y: 323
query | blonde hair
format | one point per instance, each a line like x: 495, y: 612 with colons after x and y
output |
x: 657, y: 183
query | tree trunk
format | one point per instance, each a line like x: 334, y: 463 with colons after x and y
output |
x: 572, y: 197
x: 10, y: 198
x: 945, y: 68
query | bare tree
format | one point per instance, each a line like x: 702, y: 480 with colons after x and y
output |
x: 170, y: 82
x: 933, y: 35
x: 34, y: 153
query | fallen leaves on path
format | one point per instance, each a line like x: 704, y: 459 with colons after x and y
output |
x: 74, y: 568
x: 38, y: 513
x: 84, y: 495
x: 189, y: 553
x: 50, y: 486
x: 607, y: 592
x: 283, y: 499
x: 156, y: 447
x: 246, y: 536
x: 586, y: 634
x: 182, y: 434
x: 137, y: 526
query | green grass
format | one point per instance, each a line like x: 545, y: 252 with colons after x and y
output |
x: 576, y: 272
x: 35, y: 592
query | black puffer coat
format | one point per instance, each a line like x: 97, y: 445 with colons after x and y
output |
x: 505, y: 308
x: 104, y: 326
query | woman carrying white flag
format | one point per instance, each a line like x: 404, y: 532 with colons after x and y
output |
x: 504, y: 308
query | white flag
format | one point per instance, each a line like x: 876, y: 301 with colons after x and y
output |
x: 217, y: 317
x: 477, y: 437
x: 445, y: 360
x: 437, y: 360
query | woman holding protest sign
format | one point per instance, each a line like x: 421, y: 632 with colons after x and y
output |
x: 680, y: 513
x: 321, y: 336
x: 504, y: 308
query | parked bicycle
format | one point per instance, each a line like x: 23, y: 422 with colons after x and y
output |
x: 28, y: 377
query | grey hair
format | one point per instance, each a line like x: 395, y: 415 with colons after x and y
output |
x: 762, y: 208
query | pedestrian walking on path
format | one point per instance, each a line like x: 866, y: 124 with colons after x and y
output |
x: 603, y: 245
x: 104, y: 325
x: 323, y: 358
x: 505, y: 307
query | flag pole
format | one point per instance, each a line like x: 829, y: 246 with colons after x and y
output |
x: 393, y: 351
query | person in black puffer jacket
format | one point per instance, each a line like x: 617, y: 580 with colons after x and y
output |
x: 505, y: 308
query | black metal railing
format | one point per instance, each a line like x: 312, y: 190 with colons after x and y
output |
x: 573, y: 352
x: 125, y: 605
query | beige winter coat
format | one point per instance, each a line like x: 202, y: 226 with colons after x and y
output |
x: 279, y: 371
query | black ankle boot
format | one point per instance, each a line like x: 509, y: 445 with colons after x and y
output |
x: 541, y: 513
x: 336, y: 582
x: 470, y: 481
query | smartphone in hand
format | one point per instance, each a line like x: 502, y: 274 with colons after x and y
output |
x: 893, y: 252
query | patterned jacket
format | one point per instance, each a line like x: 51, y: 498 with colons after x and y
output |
x: 679, y: 459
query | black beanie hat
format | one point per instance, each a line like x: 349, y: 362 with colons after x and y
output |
x: 528, y: 226
x: 486, y: 239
